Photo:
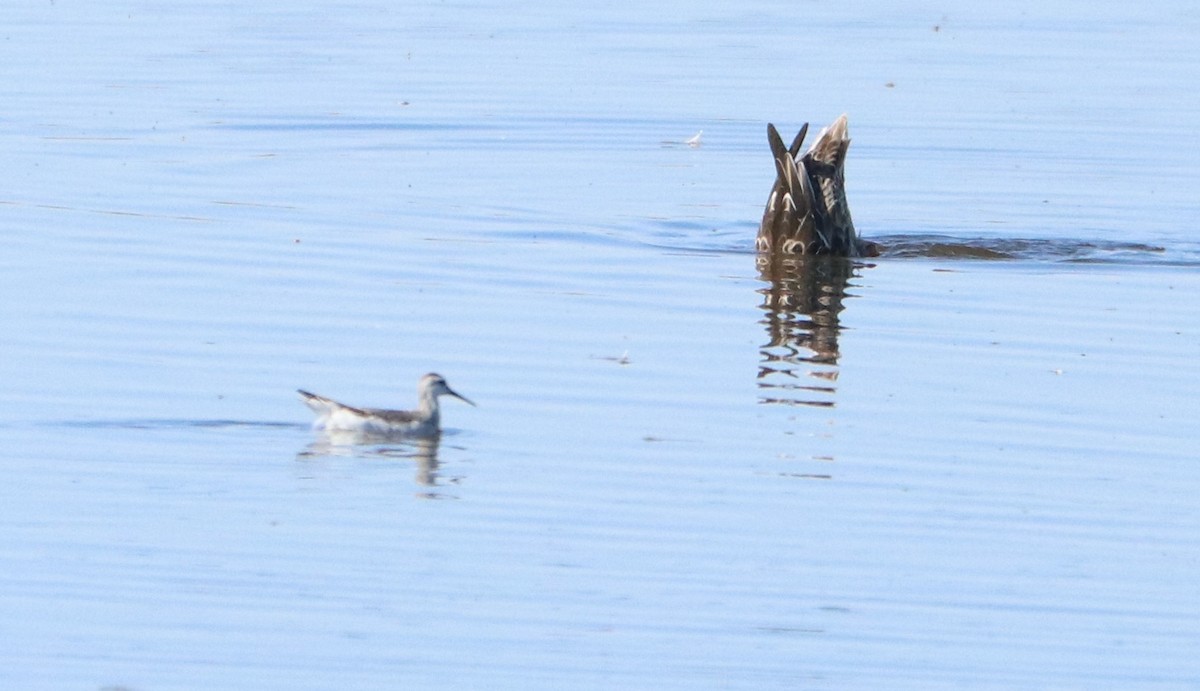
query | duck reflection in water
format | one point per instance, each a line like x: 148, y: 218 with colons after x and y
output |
x: 802, y: 302
x: 805, y: 244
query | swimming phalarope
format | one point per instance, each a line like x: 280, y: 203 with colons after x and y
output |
x: 807, y: 212
x: 422, y: 422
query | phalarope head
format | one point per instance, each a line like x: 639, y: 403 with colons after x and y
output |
x: 434, y: 385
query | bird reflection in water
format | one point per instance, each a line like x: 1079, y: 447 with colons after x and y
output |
x: 422, y: 450
x: 802, y: 302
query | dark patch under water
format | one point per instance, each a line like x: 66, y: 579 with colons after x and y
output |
x: 671, y: 233
x: 943, y: 246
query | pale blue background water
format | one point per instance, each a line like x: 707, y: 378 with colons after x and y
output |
x: 205, y: 206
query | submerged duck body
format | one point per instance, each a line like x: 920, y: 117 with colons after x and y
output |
x: 807, y: 212
x: 425, y: 421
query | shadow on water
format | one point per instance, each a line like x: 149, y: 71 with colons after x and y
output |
x: 802, y: 303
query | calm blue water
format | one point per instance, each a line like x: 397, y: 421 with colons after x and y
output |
x: 919, y: 473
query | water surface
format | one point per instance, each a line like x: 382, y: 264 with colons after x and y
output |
x: 967, y: 463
